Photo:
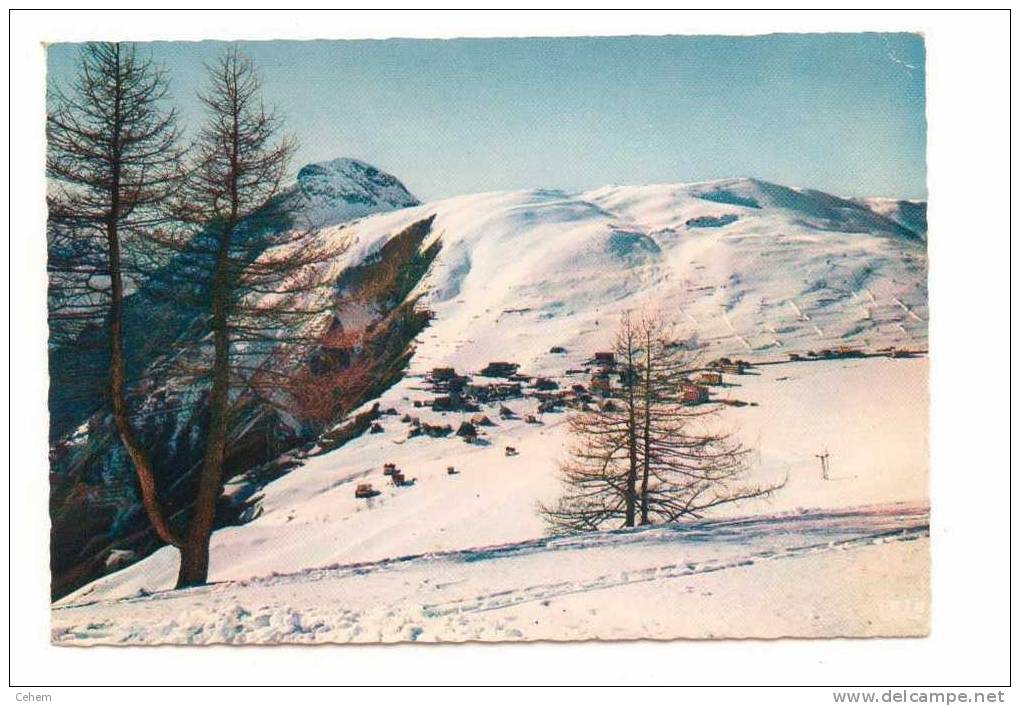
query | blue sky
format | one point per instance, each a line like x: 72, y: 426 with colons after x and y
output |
x: 839, y: 112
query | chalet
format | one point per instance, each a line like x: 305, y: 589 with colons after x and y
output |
x: 445, y: 403
x: 494, y: 391
x: 709, y: 378
x: 436, y: 430
x: 376, y: 428
x: 546, y: 384
x: 482, y: 393
x: 389, y: 469
x: 467, y: 430
x: 499, y: 369
x: 692, y: 393
x: 453, y: 402
x: 481, y: 420
x: 451, y: 471
x: 737, y: 367
x: 457, y: 383
x: 365, y: 490
x: 507, y: 390
x: 605, y: 358
x: 510, y: 451
x: 443, y: 374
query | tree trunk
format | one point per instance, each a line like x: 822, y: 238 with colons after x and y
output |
x: 194, y: 569
x: 632, y: 476
x: 195, y: 556
x: 646, y: 432
x: 632, y: 440
x: 139, y: 458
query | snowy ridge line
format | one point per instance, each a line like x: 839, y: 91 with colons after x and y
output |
x: 867, y: 522
x: 506, y: 599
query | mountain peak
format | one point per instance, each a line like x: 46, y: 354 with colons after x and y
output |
x: 346, y: 188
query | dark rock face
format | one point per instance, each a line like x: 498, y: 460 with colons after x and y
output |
x: 711, y: 221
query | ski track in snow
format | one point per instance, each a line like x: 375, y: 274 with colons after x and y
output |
x: 654, y: 573
x: 227, y: 612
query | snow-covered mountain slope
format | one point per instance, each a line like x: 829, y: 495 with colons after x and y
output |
x: 744, y: 267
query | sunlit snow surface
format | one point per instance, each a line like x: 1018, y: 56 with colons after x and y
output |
x: 744, y: 267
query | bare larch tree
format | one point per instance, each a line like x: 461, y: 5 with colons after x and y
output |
x: 112, y: 160
x: 644, y: 455
x: 265, y: 277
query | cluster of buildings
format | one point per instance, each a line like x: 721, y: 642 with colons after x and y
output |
x: 693, y: 390
x: 455, y: 392
x: 500, y: 381
x: 828, y: 353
